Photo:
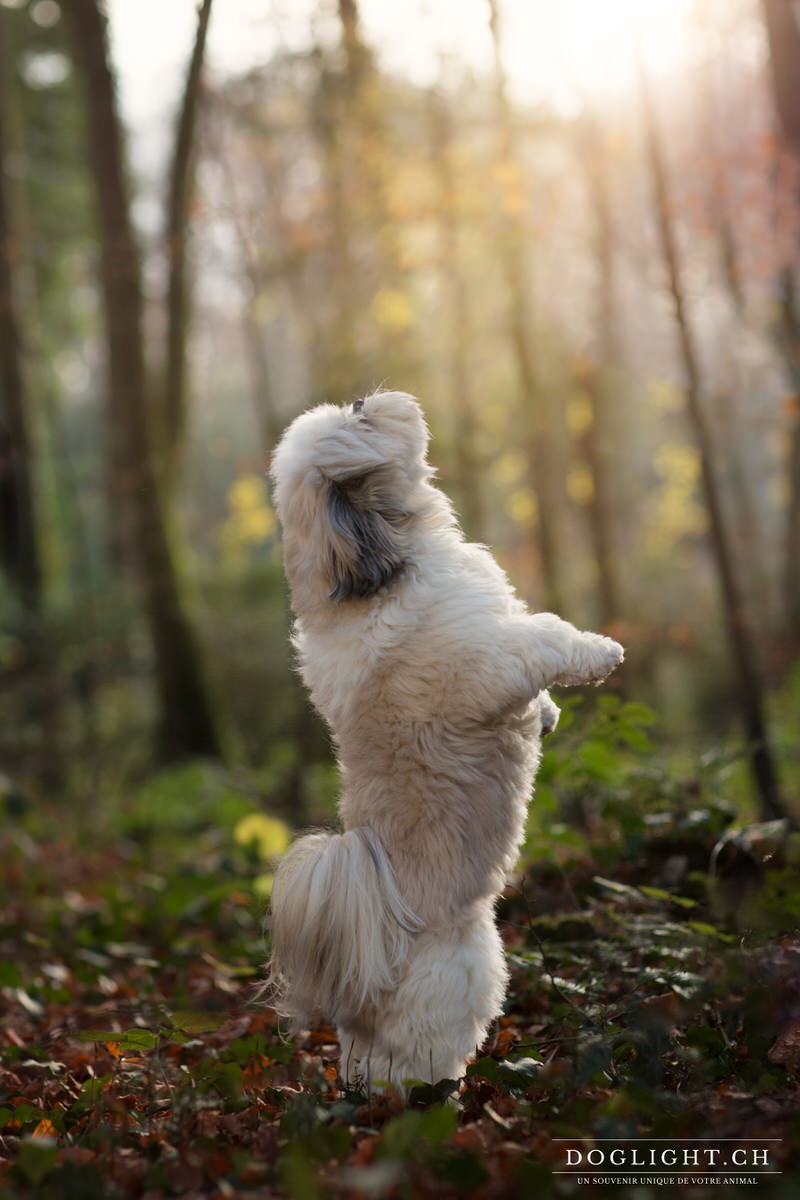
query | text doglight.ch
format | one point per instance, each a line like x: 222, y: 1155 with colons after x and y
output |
x: 669, y: 1156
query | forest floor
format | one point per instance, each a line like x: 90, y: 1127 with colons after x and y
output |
x: 135, y: 1060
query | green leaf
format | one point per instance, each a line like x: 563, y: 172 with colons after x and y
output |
x: 656, y: 893
x: 637, y: 739
x: 36, y: 1159
x: 298, y: 1175
x: 462, y: 1169
x: 487, y: 1068
x: 704, y: 1038
x: 223, y: 1077
x: 410, y: 1136
x: 516, y: 1075
x: 242, y: 1049
x: 545, y: 799
x: 330, y: 1141
x: 197, y: 1022
x: 438, y: 1123
x: 91, y: 1088
x: 638, y: 713
x: 10, y: 975
x: 593, y: 1058
x: 600, y: 761
x: 177, y: 1038
x: 26, y: 1113
x: 97, y: 1035
x: 617, y: 889
x: 138, y: 1039
x: 766, y: 1083
x: 702, y: 928
x: 426, y: 1093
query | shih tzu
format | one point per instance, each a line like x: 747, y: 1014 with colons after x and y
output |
x: 432, y: 676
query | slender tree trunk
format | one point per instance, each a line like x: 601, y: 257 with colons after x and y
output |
x: 263, y: 399
x: 462, y: 398
x: 366, y: 133
x: 356, y: 54
x: 19, y: 553
x: 187, y: 725
x: 750, y: 691
x: 178, y: 206
x: 337, y: 371
x: 737, y: 477
x: 598, y: 380
x: 783, y: 35
x: 263, y: 278
x: 790, y: 340
x: 512, y: 246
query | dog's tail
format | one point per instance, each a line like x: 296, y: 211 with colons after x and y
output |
x: 340, y: 927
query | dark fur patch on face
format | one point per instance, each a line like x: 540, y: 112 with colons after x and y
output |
x: 366, y: 536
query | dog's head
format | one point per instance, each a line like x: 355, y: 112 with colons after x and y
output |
x: 348, y: 483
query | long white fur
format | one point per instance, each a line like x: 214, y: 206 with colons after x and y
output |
x: 340, y: 926
x: 431, y: 674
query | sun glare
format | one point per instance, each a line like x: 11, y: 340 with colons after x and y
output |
x: 586, y: 49
x: 560, y: 52
x: 565, y: 53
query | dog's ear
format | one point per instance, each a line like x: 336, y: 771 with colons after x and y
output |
x: 365, y: 535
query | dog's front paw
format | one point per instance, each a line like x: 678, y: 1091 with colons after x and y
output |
x: 605, y: 657
x: 594, y: 658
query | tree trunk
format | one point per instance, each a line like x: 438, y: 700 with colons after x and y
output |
x: 19, y: 553
x: 368, y: 136
x: 790, y: 341
x: 512, y: 246
x: 178, y: 205
x: 462, y: 399
x: 187, y: 725
x: 741, y: 639
x: 598, y: 379
x: 337, y: 371
x: 783, y: 35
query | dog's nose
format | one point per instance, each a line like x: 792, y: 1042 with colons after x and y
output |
x: 358, y: 405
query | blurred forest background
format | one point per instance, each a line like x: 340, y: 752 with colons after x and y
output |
x: 593, y: 290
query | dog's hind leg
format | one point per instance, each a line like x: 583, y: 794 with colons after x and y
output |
x: 432, y: 1023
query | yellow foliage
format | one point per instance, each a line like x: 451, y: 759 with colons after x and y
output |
x: 251, y: 521
x: 678, y: 513
x: 510, y: 183
x: 262, y: 885
x: 270, y: 835
x: 522, y: 507
x: 663, y: 395
x: 580, y: 414
x: 392, y: 309
x: 256, y: 525
x: 247, y: 492
x: 678, y: 463
x: 509, y: 468
x: 580, y: 484
x: 494, y: 415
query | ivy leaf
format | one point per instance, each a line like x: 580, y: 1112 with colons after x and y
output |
x: 188, y: 1021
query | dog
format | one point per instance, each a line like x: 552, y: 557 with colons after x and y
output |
x: 432, y: 676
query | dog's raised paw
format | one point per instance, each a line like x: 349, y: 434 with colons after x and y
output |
x: 608, y: 657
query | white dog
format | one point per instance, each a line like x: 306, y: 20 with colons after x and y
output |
x: 432, y: 675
